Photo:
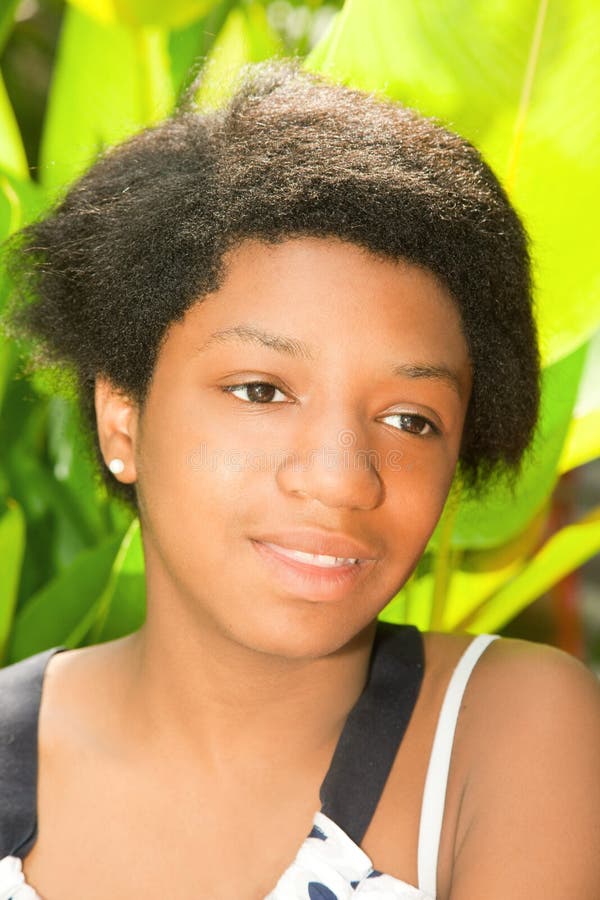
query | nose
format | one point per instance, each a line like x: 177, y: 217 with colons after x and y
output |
x: 338, y: 473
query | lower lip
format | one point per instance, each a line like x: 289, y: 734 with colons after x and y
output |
x: 315, y: 582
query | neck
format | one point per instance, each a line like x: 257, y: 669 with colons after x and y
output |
x: 194, y: 691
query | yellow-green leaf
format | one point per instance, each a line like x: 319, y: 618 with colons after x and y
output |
x: 12, y: 548
x: 582, y: 444
x: 12, y: 153
x: 245, y: 37
x: 53, y: 612
x: 123, y: 86
x: 137, y: 13
x: 121, y: 608
x: 7, y: 14
x: 564, y: 552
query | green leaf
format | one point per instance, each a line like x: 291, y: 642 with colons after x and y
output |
x: 7, y: 15
x: 123, y: 86
x: 246, y: 37
x: 122, y: 606
x: 74, y: 468
x: 52, y: 614
x: 12, y: 152
x: 46, y: 500
x: 7, y: 361
x: 135, y: 13
x: 472, y: 590
x: 190, y: 46
x: 478, y: 574
x: 11, y: 215
x: 468, y: 591
x: 20, y: 202
x: 564, y: 552
x: 582, y: 444
x: 12, y: 544
x: 516, y: 79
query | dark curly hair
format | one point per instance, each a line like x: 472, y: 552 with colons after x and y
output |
x: 141, y: 237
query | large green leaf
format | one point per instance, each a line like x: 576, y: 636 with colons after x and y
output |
x: 12, y: 545
x: 519, y: 81
x: 123, y: 85
x: 12, y: 152
x: 51, y: 615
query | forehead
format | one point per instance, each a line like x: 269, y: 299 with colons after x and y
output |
x: 323, y: 298
x: 334, y: 268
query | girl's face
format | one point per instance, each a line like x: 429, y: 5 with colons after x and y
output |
x: 319, y: 394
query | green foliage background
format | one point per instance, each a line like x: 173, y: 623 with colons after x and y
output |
x: 518, y: 79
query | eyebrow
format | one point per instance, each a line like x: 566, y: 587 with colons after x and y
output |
x: 252, y: 334
x: 426, y: 370
x: 298, y: 349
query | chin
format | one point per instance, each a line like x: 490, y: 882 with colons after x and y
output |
x: 315, y: 637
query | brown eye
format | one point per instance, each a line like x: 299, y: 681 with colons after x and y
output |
x: 414, y: 424
x: 257, y: 391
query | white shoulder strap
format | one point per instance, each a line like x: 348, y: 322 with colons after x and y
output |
x: 434, y: 794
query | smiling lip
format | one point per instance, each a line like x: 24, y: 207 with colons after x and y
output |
x: 313, y: 582
x: 320, y: 543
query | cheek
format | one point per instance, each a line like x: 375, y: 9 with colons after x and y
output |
x: 190, y: 479
x: 415, y: 496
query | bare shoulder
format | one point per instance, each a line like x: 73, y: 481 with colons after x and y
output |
x: 530, y: 815
x: 524, y: 693
x: 515, y: 677
x: 512, y: 658
x: 81, y: 693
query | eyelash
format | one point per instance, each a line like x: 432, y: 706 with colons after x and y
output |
x: 236, y: 387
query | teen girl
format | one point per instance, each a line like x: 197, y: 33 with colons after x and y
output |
x: 293, y: 322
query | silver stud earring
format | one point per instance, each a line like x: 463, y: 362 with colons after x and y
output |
x: 116, y: 466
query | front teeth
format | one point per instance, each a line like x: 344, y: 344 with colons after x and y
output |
x: 314, y: 559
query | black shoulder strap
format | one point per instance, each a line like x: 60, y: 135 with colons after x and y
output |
x: 20, y: 695
x: 374, y: 729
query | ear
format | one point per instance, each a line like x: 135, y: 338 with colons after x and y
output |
x: 117, y: 417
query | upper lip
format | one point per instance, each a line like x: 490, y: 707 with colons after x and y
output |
x: 320, y: 543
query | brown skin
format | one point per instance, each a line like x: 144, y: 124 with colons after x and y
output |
x: 165, y: 752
